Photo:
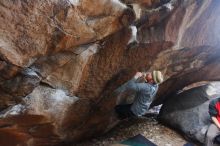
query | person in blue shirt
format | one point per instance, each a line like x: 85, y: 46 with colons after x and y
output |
x: 144, y: 93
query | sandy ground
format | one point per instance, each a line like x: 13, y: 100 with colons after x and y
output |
x: 148, y: 127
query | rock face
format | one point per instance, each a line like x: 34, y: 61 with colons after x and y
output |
x: 188, y: 111
x: 36, y: 28
x: 61, y: 61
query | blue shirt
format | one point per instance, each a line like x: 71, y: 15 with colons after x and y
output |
x: 144, y: 96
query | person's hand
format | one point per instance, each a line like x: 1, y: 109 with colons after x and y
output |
x: 138, y: 75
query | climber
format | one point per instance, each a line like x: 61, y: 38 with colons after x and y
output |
x: 213, y: 130
x: 144, y: 94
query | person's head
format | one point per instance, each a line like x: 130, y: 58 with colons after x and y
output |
x: 154, y: 77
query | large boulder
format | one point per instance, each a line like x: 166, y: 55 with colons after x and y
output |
x: 188, y: 111
x: 36, y: 28
x: 61, y: 60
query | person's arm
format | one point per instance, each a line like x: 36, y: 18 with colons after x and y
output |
x: 213, y: 112
x: 214, y: 119
x: 131, y: 85
x: 138, y: 75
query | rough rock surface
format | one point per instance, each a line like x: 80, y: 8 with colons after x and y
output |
x: 60, y: 61
x: 36, y: 28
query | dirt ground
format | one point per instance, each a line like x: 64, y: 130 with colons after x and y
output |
x: 148, y: 127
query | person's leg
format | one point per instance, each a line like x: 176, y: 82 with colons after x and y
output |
x: 124, y: 111
x: 211, y: 133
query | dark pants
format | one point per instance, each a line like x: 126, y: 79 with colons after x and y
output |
x: 211, y: 134
x: 124, y: 111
